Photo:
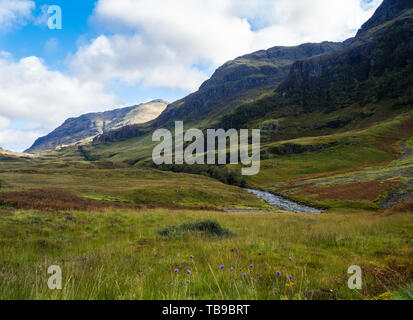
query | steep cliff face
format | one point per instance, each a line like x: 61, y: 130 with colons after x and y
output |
x: 242, y: 80
x: 86, y: 127
x: 387, y: 11
x: 374, y: 66
x: 381, y: 52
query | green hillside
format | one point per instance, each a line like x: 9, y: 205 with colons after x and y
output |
x: 336, y: 124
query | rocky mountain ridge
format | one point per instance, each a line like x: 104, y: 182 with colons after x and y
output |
x: 88, y: 126
x: 241, y: 80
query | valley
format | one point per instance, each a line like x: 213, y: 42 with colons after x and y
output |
x: 334, y: 189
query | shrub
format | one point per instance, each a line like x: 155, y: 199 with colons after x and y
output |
x: 218, y: 172
x: 210, y: 228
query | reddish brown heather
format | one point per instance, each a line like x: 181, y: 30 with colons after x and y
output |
x: 403, y: 208
x: 389, y: 142
x: 54, y: 199
x: 353, y: 191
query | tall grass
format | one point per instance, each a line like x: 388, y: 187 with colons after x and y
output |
x: 120, y: 255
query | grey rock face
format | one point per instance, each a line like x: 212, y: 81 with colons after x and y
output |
x: 246, y: 77
x: 88, y: 126
x: 319, y: 71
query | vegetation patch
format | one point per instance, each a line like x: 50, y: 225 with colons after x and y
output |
x: 353, y: 191
x: 208, y: 227
x: 403, y: 293
x: 405, y: 208
x: 392, y: 275
x: 220, y: 173
x: 54, y: 199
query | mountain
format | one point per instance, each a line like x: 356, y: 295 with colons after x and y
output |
x: 86, y: 127
x: 387, y: 11
x: 293, y: 92
x: 387, y: 34
x: 245, y: 79
x: 241, y: 80
x: 377, y: 65
x: 306, y: 90
x: 6, y: 154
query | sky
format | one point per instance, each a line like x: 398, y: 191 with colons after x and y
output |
x: 114, y: 53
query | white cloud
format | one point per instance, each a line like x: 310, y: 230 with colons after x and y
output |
x: 51, y: 45
x: 42, y: 17
x: 15, y: 12
x: 132, y: 59
x: 4, y: 123
x: 17, y: 140
x: 30, y: 92
x: 160, y: 42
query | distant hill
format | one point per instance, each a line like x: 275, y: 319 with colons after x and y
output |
x: 86, y: 127
x: 7, y: 154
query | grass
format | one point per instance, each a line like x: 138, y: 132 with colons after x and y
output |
x: 140, y: 186
x: 403, y: 293
x: 357, y: 169
x: 121, y: 255
x: 119, y: 231
x: 208, y: 228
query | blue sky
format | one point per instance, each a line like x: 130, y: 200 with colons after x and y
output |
x: 31, y: 38
x: 55, y: 46
x: 113, y: 53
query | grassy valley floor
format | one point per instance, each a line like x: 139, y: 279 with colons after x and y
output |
x: 121, y: 255
x: 101, y: 222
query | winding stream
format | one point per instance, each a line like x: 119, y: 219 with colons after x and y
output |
x: 283, y: 203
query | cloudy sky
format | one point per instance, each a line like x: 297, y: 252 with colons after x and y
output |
x: 113, y: 53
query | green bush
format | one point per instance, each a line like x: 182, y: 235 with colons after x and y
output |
x: 221, y: 173
x: 210, y: 228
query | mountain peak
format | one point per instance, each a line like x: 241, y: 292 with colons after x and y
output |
x: 85, y: 127
x: 388, y: 10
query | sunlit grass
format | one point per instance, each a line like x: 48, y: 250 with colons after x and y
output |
x: 121, y: 255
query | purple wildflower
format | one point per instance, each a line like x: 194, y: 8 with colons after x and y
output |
x: 278, y: 273
x: 251, y: 266
x: 222, y: 267
x: 231, y: 269
x: 172, y: 284
x: 291, y: 277
x: 188, y: 281
x: 188, y: 271
x: 176, y: 270
x: 244, y: 275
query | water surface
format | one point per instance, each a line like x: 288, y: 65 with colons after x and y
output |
x: 283, y: 203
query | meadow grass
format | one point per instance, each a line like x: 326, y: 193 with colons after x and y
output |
x: 133, y: 184
x: 122, y: 255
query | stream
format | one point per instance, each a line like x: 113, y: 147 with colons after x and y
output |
x: 283, y: 203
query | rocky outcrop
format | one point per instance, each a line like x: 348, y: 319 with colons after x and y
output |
x: 375, y: 65
x: 241, y: 80
x: 334, y: 79
x: 120, y: 134
x: 388, y: 10
x: 88, y: 126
